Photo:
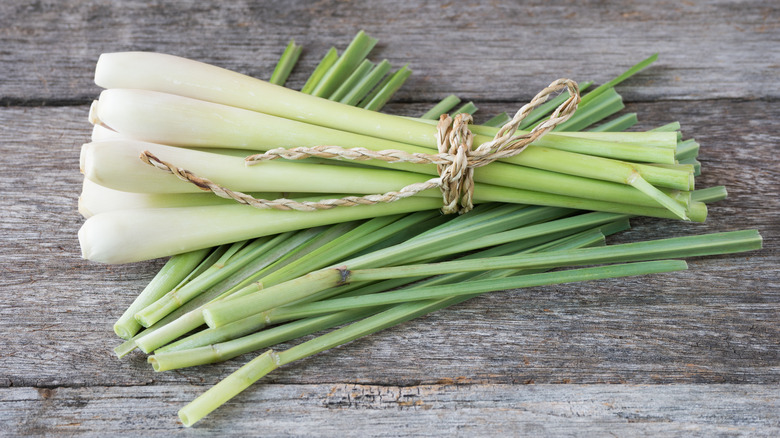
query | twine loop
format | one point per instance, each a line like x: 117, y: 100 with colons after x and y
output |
x: 455, y: 161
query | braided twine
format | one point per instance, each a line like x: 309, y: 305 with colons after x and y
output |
x: 455, y: 161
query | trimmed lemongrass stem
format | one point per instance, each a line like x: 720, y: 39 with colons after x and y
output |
x: 114, y: 164
x: 155, y: 117
x: 573, y: 223
x: 443, y: 107
x: 189, y: 317
x: 368, y: 82
x: 267, y: 362
x: 467, y: 108
x: 170, y: 275
x: 687, y: 149
x: 230, y: 263
x: 156, y: 310
x: 350, y: 82
x: 669, y: 127
x: 327, y: 62
x: 498, y: 120
x: 174, y: 359
x: 286, y: 63
x: 396, y: 80
x: 602, y: 107
x: 481, y: 286
x: 194, y: 319
x: 718, y: 243
x: 363, y: 236
x: 353, y: 55
x: 172, y: 355
x: 617, y: 124
x: 260, y: 340
x: 710, y: 194
x: 548, y: 107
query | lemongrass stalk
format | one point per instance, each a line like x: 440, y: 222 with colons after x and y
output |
x: 101, y: 132
x: 363, y: 236
x: 603, y: 106
x: 444, y: 106
x: 187, y: 357
x: 574, y: 223
x: 710, y: 194
x: 325, y: 64
x: 222, y: 313
x: 194, y: 319
x: 234, y: 259
x: 95, y: 199
x: 498, y: 120
x: 688, y: 149
x: 466, y: 108
x: 353, y: 55
x: 115, y: 164
x: 352, y: 80
x: 107, y: 237
x: 128, y: 111
x: 375, y: 101
x: 189, y: 317
x: 172, y: 356
x: 170, y: 275
x: 286, y: 63
x: 267, y: 362
x: 548, y: 107
x: 366, y: 84
x: 620, y: 123
x: 490, y: 285
x: 310, y: 307
x: 669, y: 127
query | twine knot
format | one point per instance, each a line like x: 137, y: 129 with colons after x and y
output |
x: 455, y: 161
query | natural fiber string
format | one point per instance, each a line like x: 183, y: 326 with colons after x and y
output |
x: 455, y: 161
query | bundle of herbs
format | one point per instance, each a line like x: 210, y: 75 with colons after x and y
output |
x: 242, y: 279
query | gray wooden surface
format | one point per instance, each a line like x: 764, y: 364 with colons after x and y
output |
x: 695, y: 353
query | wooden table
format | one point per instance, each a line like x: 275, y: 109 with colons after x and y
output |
x: 694, y: 353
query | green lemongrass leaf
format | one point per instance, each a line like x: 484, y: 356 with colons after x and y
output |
x: 546, y: 108
x: 467, y: 108
x: 444, y: 106
x: 396, y: 80
x: 352, y: 80
x: 710, y: 194
x: 669, y: 127
x: 498, y: 120
x: 286, y: 63
x: 620, y: 123
x: 353, y: 55
x: 170, y: 275
x: 688, y: 149
x: 366, y: 84
x: 327, y: 62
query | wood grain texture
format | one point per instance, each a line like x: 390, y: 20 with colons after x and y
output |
x: 692, y: 353
x: 714, y: 49
x: 452, y: 410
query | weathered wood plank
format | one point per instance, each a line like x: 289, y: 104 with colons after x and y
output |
x: 430, y: 410
x: 716, y: 323
x: 711, y: 49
